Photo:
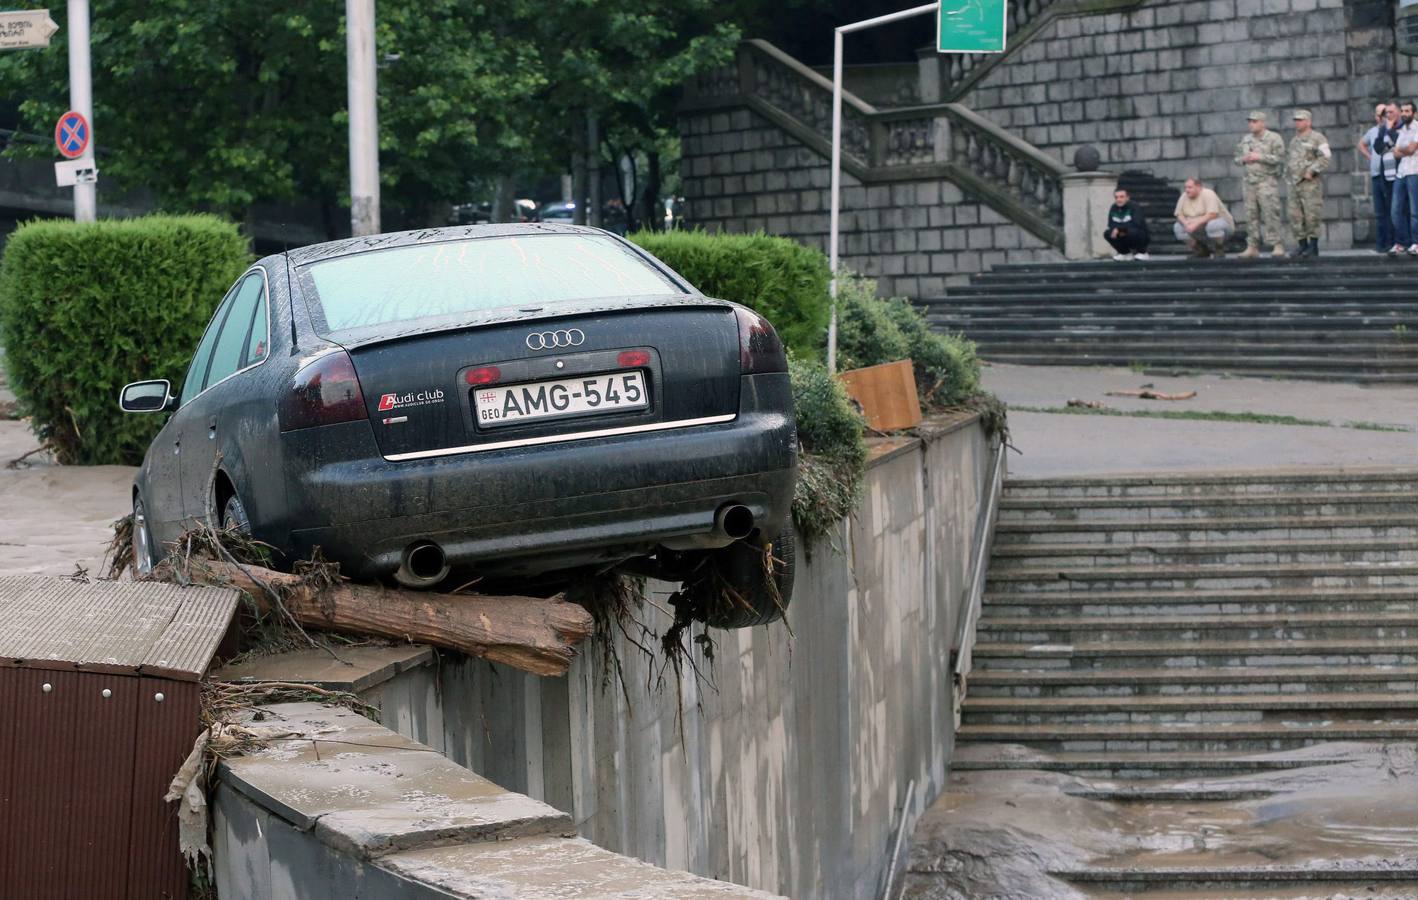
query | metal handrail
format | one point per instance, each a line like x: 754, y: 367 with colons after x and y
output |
x: 974, y: 598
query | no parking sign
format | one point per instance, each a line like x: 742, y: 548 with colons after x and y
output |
x: 71, y: 135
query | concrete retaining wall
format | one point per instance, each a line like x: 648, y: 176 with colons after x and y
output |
x: 785, y: 766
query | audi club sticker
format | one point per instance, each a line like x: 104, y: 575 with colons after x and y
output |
x: 555, y: 340
x: 388, y: 402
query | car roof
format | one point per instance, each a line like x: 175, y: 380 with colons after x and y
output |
x: 316, y: 252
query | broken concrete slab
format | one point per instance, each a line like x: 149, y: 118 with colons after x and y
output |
x: 367, y: 791
x: 564, y: 867
x: 353, y: 669
x: 339, y: 806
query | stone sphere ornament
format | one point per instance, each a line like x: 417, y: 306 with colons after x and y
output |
x: 1086, y: 158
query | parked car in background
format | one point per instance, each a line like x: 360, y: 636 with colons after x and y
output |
x: 560, y: 211
x: 524, y: 403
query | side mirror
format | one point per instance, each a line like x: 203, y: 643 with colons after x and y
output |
x: 147, y: 396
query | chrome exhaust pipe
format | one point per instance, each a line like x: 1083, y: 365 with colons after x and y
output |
x: 423, y: 565
x: 733, y: 521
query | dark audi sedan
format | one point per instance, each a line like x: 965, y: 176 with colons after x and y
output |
x: 527, y: 404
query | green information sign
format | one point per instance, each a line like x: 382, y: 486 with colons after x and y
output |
x: 971, y: 26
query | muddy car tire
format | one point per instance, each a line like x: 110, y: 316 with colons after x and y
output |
x: 234, y: 516
x: 761, y: 598
x: 144, y: 557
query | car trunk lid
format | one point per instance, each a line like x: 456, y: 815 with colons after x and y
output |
x: 538, y: 376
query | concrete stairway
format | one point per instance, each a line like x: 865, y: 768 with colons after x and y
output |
x: 1352, y: 318
x: 1148, y: 626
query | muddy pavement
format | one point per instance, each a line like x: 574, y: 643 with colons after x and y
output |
x: 53, y: 518
x: 1028, y: 833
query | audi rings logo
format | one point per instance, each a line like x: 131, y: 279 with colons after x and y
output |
x: 552, y: 340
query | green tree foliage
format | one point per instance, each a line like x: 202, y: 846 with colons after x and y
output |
x: 87, y: 308
x: 217, y: 106
x: 782, y: 280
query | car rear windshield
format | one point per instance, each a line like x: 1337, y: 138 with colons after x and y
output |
x: 453, y: 277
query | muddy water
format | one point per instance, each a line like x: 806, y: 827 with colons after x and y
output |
x: 1002, y: 833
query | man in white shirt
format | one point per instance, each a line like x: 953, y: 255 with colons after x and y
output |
x: 1203, y: 221
x: 1405, y: 189
x: 1377, y: 147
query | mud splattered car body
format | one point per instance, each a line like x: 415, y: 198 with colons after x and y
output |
x: 498, y: 400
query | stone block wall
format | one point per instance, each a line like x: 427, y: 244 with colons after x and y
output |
x: 1163, y: 88
x: 743, y: 173
x: 1166, y: 88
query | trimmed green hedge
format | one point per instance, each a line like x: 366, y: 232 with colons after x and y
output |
x: 834, y: 456
x: 88, y: 307
x: 872, y: 331
x: 780, y: 279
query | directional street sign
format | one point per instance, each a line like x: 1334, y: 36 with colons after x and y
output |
x: 25, y: 29
x: 71, y: 135
x: 971, y: 26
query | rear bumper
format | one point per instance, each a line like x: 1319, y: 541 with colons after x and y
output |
x: 540, y: 508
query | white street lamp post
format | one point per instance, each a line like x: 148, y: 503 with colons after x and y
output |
x: 835, y: 224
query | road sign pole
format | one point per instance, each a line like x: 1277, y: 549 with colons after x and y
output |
x: 364, y: 117
x: 834, y: 220
x: 81, y: 100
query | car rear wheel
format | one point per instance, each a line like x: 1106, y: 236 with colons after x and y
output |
x: 143, y: 556
x: 234, y: 516
x: 754, y: 580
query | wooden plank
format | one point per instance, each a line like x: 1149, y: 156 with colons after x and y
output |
x: 887, y: 394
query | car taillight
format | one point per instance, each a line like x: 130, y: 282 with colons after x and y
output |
x: 324, y: 392
x: 633, y: 359
x: 760, y: 351
x: 484, y: 375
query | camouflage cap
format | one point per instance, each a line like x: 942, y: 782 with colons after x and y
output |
x: 1256, y: 116
x: 1302, y: 114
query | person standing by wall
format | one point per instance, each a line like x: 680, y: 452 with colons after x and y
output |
x: 1405, y: 189
x: 1127, y: 228
x: 1376, y: 146
x: 1309, y: 158
x: 1262, y: 154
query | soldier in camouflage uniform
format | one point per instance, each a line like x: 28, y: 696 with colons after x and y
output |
x: 1262, y: 153
x: 1309, y: 157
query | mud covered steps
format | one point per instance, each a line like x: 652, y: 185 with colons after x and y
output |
x: 1155, y: 625
x: 1335, y: 318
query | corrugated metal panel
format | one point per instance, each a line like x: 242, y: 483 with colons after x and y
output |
x: 41, y: 798
x: 10, y: 715
x: 101, y: 766
x: 82, y: 775
x: 136, y: 626
x: 165, y: 732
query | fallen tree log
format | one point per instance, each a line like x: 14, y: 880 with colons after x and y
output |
x: 528, y: 633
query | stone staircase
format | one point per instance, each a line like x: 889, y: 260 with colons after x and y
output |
x: 1350, y: 318
x: 1168, y: 638
x: 1220, y: 614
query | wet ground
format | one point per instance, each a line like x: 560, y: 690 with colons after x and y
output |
x: 53, y: 518
x: 1053, y: 444
x: 1016, y: 833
